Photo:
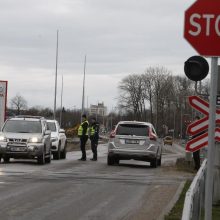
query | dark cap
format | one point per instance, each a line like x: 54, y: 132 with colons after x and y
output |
x: 84, y: 116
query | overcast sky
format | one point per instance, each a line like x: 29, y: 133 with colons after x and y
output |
x: 119, y: 37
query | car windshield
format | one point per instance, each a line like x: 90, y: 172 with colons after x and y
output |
x: 22, y: 126
x: 51, y: 126
x: 168, y: 138
x: 132, y: 129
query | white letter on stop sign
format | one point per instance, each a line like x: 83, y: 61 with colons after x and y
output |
x: 217, y: 25
x: 208, y: 26
x: 195, y: 24
x: 208, y: 17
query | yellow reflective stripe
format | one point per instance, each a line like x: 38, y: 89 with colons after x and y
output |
x: 80, y: 130
x: 92, y: 131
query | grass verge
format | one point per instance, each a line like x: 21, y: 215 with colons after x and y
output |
x: 216, y: 212
x: 176, y: 212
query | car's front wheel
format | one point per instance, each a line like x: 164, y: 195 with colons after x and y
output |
x: 116, y: 161
x: 153, y: 163
x: 57, y: 154
x: 63, y: 153
x: 6, y: 159
x: 110, y: 160
x: 48, y: 158
x: 41, y: 158
x: 159, y: 161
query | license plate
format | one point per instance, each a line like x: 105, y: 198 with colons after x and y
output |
x: 128, y: 141
x: 18, y: 149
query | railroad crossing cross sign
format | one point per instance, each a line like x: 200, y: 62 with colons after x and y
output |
x: 201, y: 125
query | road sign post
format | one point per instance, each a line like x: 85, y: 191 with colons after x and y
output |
x: 211, y: 139
x: 216, y: 178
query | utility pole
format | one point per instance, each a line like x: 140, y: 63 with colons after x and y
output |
x: 83, y: 94
x: 61, y: 104
x: 55, y: 92
x: 181, y: 122
x: 174, y: 125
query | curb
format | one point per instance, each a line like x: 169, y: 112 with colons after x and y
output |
x: 172, y: 202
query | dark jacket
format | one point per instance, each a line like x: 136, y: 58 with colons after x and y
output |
x: 94, y: 136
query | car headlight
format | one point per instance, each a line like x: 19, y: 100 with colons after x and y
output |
x: 35, y: 140
x: 3, y: 138
x: 54, y: 139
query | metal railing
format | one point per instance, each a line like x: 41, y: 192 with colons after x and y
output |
x: 195, y: 196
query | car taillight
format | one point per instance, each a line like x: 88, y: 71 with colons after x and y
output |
x: 112, y: 134
x: 152, y: 136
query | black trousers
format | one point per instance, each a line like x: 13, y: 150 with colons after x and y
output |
x: 83, y: 141
x: 94, y: 144
x: 196, y: 157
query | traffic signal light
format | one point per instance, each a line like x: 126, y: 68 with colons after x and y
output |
x: 196, y: 68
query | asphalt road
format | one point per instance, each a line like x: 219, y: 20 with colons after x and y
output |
x: 80, y: 190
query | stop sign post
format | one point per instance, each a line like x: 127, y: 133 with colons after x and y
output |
x: 202, y: 31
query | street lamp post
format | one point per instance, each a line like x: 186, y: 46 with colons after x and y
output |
x: 174, y: 124
x: 55, y: 92
x: 83, y: 94
x: 61, y: 103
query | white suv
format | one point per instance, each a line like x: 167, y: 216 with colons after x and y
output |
x: 25, y: 137
x: 134, y: 140
x: 58, y: 140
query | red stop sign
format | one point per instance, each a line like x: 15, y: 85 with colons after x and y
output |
x: 202, y: 27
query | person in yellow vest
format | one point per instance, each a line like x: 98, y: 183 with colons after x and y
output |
x: 94, y: 137
x: 83, y: 135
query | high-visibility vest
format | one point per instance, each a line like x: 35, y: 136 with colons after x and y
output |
x: 80, y: 129
x: 91, y: 131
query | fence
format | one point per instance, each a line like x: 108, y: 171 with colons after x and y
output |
x: 195, y: 196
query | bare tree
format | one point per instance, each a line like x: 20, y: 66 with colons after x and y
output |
x: 157, y: 96
x: 158, y: 87
x: 148, y: 79
x: 131, y: 95
x: 18, y: 103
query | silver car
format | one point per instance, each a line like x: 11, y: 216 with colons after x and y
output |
x: 25, y: 137
x: 58, y: 140
x: 134, y: 140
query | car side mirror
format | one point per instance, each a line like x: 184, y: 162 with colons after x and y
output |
x: 62, y: 131
x: 47, y: 132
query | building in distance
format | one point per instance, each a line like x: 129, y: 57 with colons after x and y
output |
x: 98, y: 110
